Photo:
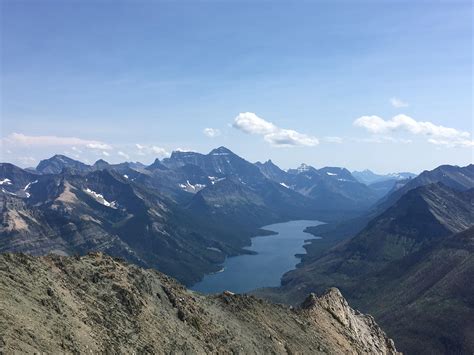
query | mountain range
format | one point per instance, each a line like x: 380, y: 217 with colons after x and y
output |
x: 368, y: 177
x: 182, y: 215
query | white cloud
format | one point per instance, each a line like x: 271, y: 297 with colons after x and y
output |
x: 457, y: 143
x: 144, y: 149
x: 398, y: 103
x: 382, y: 139
x: 159, y: 151
x: 289, y: 138
x: 333, y: 140
x: 124, y: 155
x: 106, y: 154
x: 20, y: 139
x: 211, y: 132
x: 99, y: 146
x: 250, y: 123
x: 438, y: 134
x: 184, y: 150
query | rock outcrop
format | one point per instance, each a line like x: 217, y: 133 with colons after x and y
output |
x: 97, y: 303
x: 361, y: 328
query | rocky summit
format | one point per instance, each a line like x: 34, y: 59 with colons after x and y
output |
x: 96, y: 303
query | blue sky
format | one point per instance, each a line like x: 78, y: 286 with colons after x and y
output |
x: 385, y: 85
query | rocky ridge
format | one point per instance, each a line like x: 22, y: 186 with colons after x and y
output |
x: 96, y: 303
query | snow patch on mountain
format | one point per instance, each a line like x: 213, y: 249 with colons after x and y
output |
x: 27, y: 187
x: 8, y: 192
x: 100, y: 198
x: 215, y: 179
x: 192, y: 188
x: 5, y: 181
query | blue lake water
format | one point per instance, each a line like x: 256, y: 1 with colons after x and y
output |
x: 276, y: 255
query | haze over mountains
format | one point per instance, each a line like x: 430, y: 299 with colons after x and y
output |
x: 185, y: 214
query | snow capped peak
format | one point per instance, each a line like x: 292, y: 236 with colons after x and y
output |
x: 220, y: 151
x: 284, y: 185
x: 303, y: 167
x: 330, y: 174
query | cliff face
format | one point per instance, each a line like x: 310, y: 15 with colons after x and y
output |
x: 97, y: 303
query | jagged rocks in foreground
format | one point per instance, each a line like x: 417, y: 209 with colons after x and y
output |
x: 97, y: 303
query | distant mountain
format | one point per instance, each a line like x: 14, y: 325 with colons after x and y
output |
x: 220, y: 162
x: 15, y: 181
x: 301, y: 169
x: 458, y: 178
x: 233, y: 204
x: 157, y: 164
x: 365, y: 265
x: 102, y: 210
x: 272, y: 171
x: 333, y: 188
x: 229, y: 188
x: 99, y: 304
x: 100, y: 164
x: 57, y: 163
x: 368, y: 177
x: 383, y: 187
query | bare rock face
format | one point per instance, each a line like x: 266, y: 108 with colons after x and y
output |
x: 359, y: 327
x: 98, y: 304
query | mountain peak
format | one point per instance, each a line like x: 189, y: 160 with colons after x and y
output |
x: 180, y: 152
x: 303, y: 167
x: 269, y: 162
x: 157, y: 164
x: 220, y: 151
x: 101, y: 162
x: 57, y: 163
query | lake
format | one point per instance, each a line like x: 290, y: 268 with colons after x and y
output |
x: 275, y: 256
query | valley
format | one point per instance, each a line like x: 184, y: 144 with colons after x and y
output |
x: 273, y: 255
